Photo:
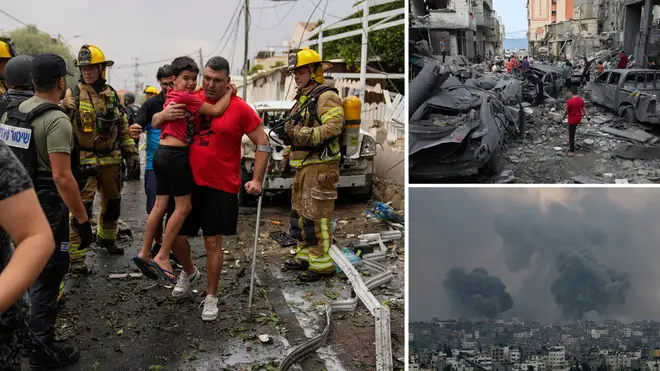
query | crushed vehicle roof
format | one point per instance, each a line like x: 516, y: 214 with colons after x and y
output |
x: 274, y: 105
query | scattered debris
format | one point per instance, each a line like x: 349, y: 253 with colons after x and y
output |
x: 265, y: 339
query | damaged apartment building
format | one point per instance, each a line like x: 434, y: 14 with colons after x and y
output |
x: 577, y: 28
x: 470, y: 28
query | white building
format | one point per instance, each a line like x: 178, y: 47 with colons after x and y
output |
x: 515, y: 355
x: 557, y: 357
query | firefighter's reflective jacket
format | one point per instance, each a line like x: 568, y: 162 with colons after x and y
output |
x: 101, y: 128
x: 316, y: 130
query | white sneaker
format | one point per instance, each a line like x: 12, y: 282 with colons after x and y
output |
x: 183, y: 283
x: 210, y: 311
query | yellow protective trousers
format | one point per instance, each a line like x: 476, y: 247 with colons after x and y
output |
x: 108, y: 182
x: 313, y: 206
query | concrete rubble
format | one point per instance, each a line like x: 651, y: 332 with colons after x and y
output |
x: 609, y: 150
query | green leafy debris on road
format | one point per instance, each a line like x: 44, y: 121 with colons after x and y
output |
x: 156, y: 368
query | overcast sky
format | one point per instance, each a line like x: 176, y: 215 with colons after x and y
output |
x: 514, y: 17
x: 457, y: 228
x: 164, y: 29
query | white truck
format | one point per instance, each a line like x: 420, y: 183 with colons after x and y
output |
x: 355, y: 174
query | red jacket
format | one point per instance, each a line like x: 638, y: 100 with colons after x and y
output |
x: 623, y: 62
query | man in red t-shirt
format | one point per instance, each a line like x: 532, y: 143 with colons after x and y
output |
x: 574, y: 110
x: 215, y: 160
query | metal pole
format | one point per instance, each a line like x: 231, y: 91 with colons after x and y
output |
x: 321, y: 42
x: 256, y: 233
x: 201, y: 66
x: 246, y: 63
x: 365, y: 49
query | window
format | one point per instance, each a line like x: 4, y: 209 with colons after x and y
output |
x: 605, y: 76
x: 614, y: 79
x: 631, y: 77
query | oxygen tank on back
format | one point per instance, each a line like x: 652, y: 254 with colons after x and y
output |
x: 350, y: 135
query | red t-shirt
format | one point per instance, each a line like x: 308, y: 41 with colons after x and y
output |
x: 574, y: 107
x: 193, y: 103
x: 215, y: 154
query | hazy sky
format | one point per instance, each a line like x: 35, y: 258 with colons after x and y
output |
x: 514, y: 17
x: 457, y: 228
x: 165, y: 29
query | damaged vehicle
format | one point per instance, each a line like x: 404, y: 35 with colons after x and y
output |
x: 552, y: 78
x: 461, y: 129
x: 631, y: 93
x: 355, y: 171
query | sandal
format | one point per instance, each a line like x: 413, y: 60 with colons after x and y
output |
x: 164, y: 273
x: 146, y: 268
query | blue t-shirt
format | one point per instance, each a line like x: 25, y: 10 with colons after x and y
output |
x: 153, y: 139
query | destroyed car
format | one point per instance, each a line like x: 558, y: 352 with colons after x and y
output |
x: 631, y: 93
x: 355, y: 172
x: 459, y: 132
x: 553, y: 80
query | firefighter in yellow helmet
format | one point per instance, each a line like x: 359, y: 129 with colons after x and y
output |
x: 150, y: 91
x: 7, y: 52
x: 101, y: 128
x: 313, y: 130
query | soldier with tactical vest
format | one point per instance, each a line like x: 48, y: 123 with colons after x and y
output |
x: 42, y: 138
x: 7, y: 52
x: 102, y: 130
x: 313, y: 129
x: 130, y: 110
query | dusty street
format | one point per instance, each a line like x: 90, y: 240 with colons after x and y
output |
x: 134, y: 323
x: 542, y: 156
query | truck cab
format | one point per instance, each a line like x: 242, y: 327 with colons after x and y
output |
x: 355, y: 173
x: 631, y: 93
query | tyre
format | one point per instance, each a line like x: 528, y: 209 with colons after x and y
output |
x: 629, y: 114
x: 493, y: 165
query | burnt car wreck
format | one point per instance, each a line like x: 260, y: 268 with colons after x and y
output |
x: 459, y: 123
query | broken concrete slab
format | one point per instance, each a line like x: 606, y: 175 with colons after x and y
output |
x: 636, y: 135
x: 505, y: 177
x: 581, y: 179
x: 601, y: 119
x: 621, y: 181
x: 635, y: 152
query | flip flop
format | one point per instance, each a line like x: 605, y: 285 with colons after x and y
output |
x: 163, y: 273
x: 146, y: 268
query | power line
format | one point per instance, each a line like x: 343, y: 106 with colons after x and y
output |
x: 333, y: 16
x: 280, y: 20
x: 233, y: 17
x: 273, y: 6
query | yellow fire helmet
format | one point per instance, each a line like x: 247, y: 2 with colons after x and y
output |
x: 7, y: 49
x: 91, y: 54
x: 308, y: 57
x: 150, y: 90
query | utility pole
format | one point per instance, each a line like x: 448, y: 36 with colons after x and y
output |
x: 136, y: 75
x: 365, y: 49
x: 201, y: 66
x: 246, y: 62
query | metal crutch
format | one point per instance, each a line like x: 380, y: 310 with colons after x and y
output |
x: 268, y: 149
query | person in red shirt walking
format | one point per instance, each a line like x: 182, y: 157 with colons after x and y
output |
x: 623, y: 60
x: 574, y: 110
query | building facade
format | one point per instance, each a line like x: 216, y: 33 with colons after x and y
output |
x: 469, y: 28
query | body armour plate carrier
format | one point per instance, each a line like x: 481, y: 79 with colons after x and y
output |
x: 18, y: 133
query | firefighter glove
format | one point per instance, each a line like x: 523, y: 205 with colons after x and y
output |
x: 133, y: 163
x: 278, y: 129
x: 83, y: 230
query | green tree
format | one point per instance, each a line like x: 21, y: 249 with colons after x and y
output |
x: 255, y: 69
x: 277, y: 64
x: 29, y: 40
x: 387, y: 45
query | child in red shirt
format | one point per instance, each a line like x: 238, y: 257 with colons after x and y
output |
x: 574, y: 110
x: 172, y: 167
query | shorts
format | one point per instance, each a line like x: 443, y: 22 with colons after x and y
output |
x: 214, y: 211
x: 173, y: 173
x: 150, y: 189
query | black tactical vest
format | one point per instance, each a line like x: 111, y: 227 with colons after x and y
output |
x: 18, y: 133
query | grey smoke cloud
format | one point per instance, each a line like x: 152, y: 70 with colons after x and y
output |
x: 476, y: 293
x: 518, y: 236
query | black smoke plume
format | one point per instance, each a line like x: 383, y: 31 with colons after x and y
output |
x: 585, y: 286
x: 476, y: 293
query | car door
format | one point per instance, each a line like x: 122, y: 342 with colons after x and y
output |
x: 611, y: 88
x: 598, y: 88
